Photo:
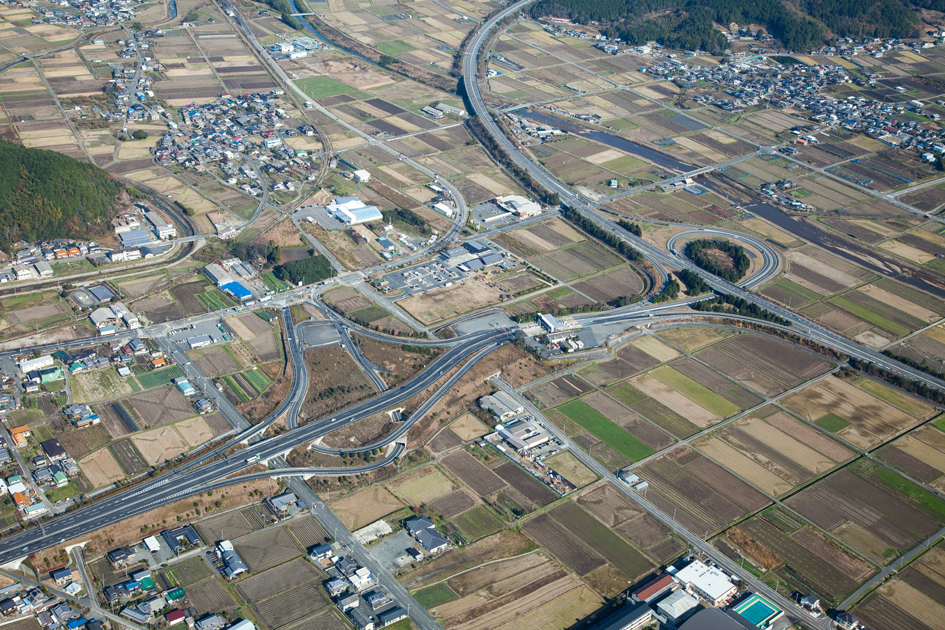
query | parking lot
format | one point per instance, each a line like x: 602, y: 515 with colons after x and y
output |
x: 423, y: 278
x: 215, y: 329
x: 489, y: 215
x: 318, y: 214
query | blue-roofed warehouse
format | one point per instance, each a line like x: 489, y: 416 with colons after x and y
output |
x: 238, y: 290
x: 135, y: 238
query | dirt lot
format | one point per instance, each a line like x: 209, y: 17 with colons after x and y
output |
x: 162, y: 406
x: 100, y: 468
x: 160, y: 444
x: 452, y: 504
x: 214, y: 362
x: 231, y: 525
x: 449, y: 302
x: 195, y: 431
x: 504, y: 544
x: 335, y: 381
x: 422, y: 487
x: 468, y: 427
x: 98, y: 385
x: 399, y: 364
x: 365, y: 507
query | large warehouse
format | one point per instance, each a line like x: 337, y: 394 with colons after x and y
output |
x: 351, y: 211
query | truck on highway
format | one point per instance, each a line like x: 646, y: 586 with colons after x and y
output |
x: 252, y: 460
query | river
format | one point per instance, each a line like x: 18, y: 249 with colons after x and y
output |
x: 172, y: 9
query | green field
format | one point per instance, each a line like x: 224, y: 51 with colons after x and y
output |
x: 606, y: 431
x: 160, y: 377
x: 600, y: 538
x: 257, y: 379
x: 795, y: 288
x: 322, y: 86
x: 832, y: 423
x: 869, y: 316
x: 243, y: 396
x: 369, y: 313
x: 477, y: 523
x: 214, y: 300
x: 394, y: 47
x: 435, y: 595
x: 694, y: 391
x: 922, y: 499
x: 626, y: 393
x: 905, y: 403
x: 271, y: 281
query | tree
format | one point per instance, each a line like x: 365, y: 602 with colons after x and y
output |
x: 139, y: 134
x: 192, y: 16
x: 386, y: 61
x: 137, y: 26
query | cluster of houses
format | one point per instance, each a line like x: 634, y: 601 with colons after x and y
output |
x: 218, y: 134
x: 51, y: 469
x: 353, y: 589
x: 32, y: 262
x: 49, y: 611
x: 88, y: 13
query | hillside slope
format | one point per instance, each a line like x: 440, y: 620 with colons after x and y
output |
x: 44, y: 195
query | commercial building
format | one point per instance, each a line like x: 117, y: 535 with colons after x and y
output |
x: 677, y: 606
x: 630, y: 617
x: 39, y: 363
x: 707, y: 582
x: 136, y: 238
x: 502, y: 405
x: 352, y: 211
x: 519, y: 206
x: 238, y: 291
x: 162, y: 228
x: 549, y: 322
x: 361, y: 176
x: 523, y: 434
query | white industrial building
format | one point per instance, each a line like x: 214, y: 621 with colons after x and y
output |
x: 162, y: 228
x: 502, y: 405
x: 38, y: 363
x: 361, y: 176
x: 351, y: 211
x: 519, y: 206
x: 523, y: 434
x: 707, y: 582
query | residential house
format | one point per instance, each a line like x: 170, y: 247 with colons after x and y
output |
x: 61, y: 576
x: 120, y: 557
x: 53, y: 450
x: 180, y: 537
x: 280, y: 504
x: 175, y: 617
x: 19, y: 435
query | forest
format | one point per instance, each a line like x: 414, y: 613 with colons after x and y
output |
x: 733, y: 266
x: 800, y: 25
x: 46, y: 195
x: 305, y: 271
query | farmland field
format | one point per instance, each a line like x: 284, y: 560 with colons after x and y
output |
x: 365, y: 507
x: 477, y: 523
x: 482, y: 480
x: 775, y: 454
x: 224, y: 527
x: 162, y: 406
x: 327, y: 620
x: 292, y: 605
x: 185, y: 573
x: 435, y: 595
x: 274, y: 581
x: 128, y: 457
x: 209, y: 596
x: 570, y: 550
x: 532, y: 489
x: 159, y: 377
x: 453, y: 503
x: 423, y: 487
x: 309, y: 532
x: 913, y: 599
x: 871, y: 420
x: 569, y: 467
x: 267, y: 549
x: 605, y: 430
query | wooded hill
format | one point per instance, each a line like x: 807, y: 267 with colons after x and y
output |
x: 688, y: 24
x: 46, y: 195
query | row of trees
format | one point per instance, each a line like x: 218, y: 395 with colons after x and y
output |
x: 669, y: 292
x: 499, y: 154
x: 611, y: 239
x: 733, y: 305
x: 938, y: 371
x: 913, y: 387
x: 633, y: 228
x: 698, y: 252
x: 695, y: 284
